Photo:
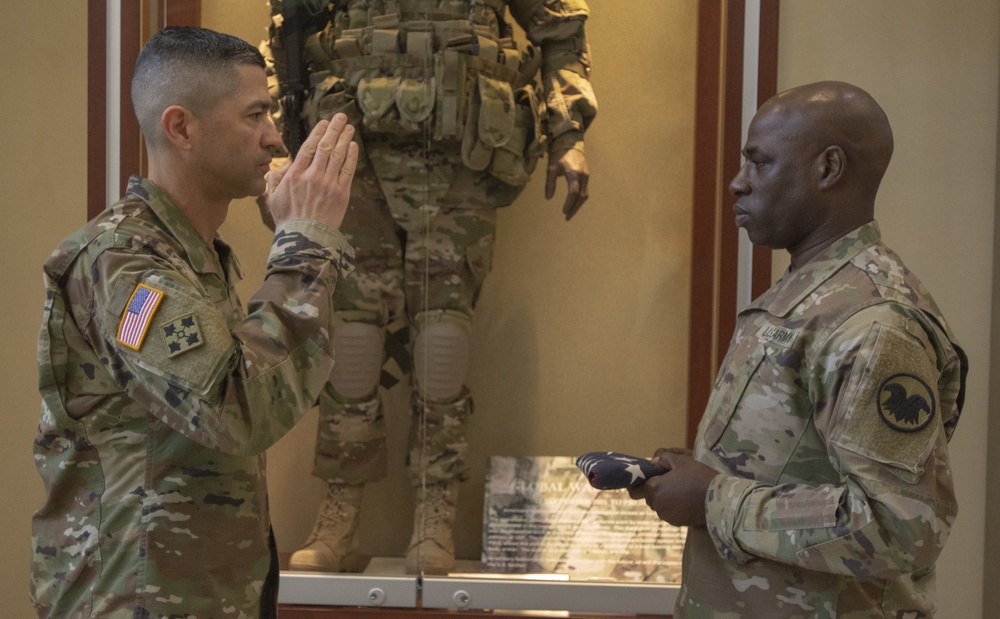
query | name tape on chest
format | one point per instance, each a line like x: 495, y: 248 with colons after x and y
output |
x: 779, y: 336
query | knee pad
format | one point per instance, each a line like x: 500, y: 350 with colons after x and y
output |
x: 357, y: 359
x: 441, y: 356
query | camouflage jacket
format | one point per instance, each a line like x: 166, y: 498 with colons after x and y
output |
x: 393, y: 65
x: 829, y: 422
x: 159, y: 396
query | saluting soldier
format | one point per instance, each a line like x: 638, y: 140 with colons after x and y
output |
x: 160, y: 393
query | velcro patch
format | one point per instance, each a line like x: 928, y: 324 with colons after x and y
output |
x: 890, y: 413
x: 182, y: 335
x: 138, y: 315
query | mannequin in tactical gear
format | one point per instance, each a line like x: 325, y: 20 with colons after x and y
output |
x: 452, y: 119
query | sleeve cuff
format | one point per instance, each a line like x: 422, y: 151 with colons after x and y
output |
x: 723, y: 513
x: 566, y: 141
x: 308, y: 237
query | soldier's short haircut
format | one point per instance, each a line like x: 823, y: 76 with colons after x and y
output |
x: 186, y: 66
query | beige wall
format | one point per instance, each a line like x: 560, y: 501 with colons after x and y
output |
x: 934, y: 67
x: 44, y: 101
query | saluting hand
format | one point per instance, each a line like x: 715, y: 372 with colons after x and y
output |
x: 317, y: 184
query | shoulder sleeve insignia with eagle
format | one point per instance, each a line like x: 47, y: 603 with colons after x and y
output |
x: 906, y: 403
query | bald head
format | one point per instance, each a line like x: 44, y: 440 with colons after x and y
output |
x: 827, y: 114
x: 814, y: 158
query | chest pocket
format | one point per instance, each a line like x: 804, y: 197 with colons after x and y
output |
x: 759, y: 418
x: 740, y: 364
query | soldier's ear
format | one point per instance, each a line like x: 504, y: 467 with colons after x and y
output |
x: 176, y: 124
x: 832, y: 164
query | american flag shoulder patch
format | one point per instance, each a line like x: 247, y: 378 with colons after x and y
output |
x: 138, y: 316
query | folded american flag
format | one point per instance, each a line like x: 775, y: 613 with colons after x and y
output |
x: 608, y: 470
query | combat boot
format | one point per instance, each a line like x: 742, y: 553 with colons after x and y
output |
x: 331, y: 546
x: 432, y: 548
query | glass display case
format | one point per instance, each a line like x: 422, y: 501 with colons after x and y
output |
x: 599, y: 333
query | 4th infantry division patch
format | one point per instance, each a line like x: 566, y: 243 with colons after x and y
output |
x: 138, y: 316
x: 182, y: 335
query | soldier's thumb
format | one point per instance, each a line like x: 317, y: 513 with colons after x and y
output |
x: 274, y: 176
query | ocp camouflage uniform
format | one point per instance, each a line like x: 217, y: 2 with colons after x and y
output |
x: 153, y: 457
x: 451, y: 124
x: 830, y: 423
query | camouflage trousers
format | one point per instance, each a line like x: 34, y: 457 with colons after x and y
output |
x: 422, y: 227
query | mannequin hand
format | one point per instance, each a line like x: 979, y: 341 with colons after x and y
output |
x: 317, y: 184
x: 572, y: 164
x: 677, y: 496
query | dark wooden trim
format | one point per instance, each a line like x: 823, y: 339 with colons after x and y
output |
x: 714, y: 250
x: 97, y: 36
x: 715, y: 240
x: 179, y: 13
x: 767, y: 87
x: 729, y: 162
x: 767, y: 54
x: 130, y: 141
x: 703, y: 269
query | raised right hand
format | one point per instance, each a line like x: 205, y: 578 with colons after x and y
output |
x: 317, y: 184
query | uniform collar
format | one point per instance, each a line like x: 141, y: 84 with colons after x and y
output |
x: 794, y: 286
x: 200, y: 256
